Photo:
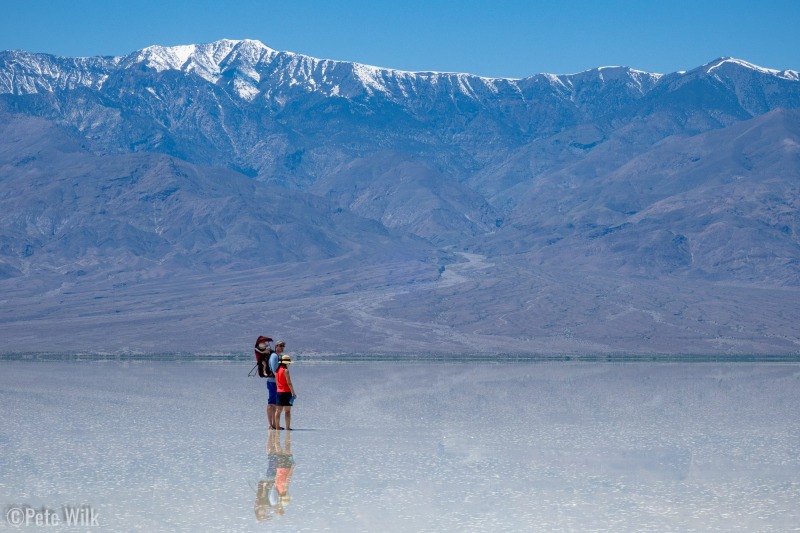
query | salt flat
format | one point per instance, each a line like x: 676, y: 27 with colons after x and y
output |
x: 183, y: 446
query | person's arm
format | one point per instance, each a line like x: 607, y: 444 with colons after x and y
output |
x: 289, y: 381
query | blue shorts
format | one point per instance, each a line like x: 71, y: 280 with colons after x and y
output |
x: 272, y: 393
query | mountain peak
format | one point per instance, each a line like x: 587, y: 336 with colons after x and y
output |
x: 732, y: 62
x: 207, y: 60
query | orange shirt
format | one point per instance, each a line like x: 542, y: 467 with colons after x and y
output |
x: 280, y: 380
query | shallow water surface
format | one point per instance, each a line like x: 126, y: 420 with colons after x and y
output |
x: 563, y: 446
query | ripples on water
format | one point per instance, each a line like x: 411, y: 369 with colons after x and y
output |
x: 569, y: 443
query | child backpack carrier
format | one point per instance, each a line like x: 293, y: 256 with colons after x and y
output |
x: 262, y: 358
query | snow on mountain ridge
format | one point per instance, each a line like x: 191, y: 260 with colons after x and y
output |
x: 257, y: 71
x: 28, y: 73
x: 251, y: 59
x: 206, y: 60
x: 639, y: 80
x: 785, y: 74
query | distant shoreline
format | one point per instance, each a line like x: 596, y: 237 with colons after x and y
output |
x: 413, y: 358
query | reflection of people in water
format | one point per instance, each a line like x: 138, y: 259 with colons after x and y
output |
x: 272, y: 495
x: 279, y: 494
x: 262, y: 506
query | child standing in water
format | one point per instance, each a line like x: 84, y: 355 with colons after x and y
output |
x: 286, y: 394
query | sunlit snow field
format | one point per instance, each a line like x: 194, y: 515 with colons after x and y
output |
x: 155, y: 445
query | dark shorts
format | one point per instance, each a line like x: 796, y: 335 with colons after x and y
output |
x: 272, y: 393
x: 285, y: 399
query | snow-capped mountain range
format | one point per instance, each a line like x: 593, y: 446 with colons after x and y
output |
x: 251, y: 63
x: 138, y: 173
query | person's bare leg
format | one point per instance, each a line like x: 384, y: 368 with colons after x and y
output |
x: 288, y: 415
x: 271, y: 415
x: 278, y: 411
x: 277, y: 417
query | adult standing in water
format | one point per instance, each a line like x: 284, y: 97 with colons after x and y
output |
x: 272, y: 366
x: 264, y: 355
x: 286, y: 394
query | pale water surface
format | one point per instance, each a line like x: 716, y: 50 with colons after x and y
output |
x: 154, y: 445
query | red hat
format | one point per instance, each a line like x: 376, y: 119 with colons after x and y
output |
x: 261, y: 339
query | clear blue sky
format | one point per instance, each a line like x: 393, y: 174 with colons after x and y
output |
x: 490, y: 38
